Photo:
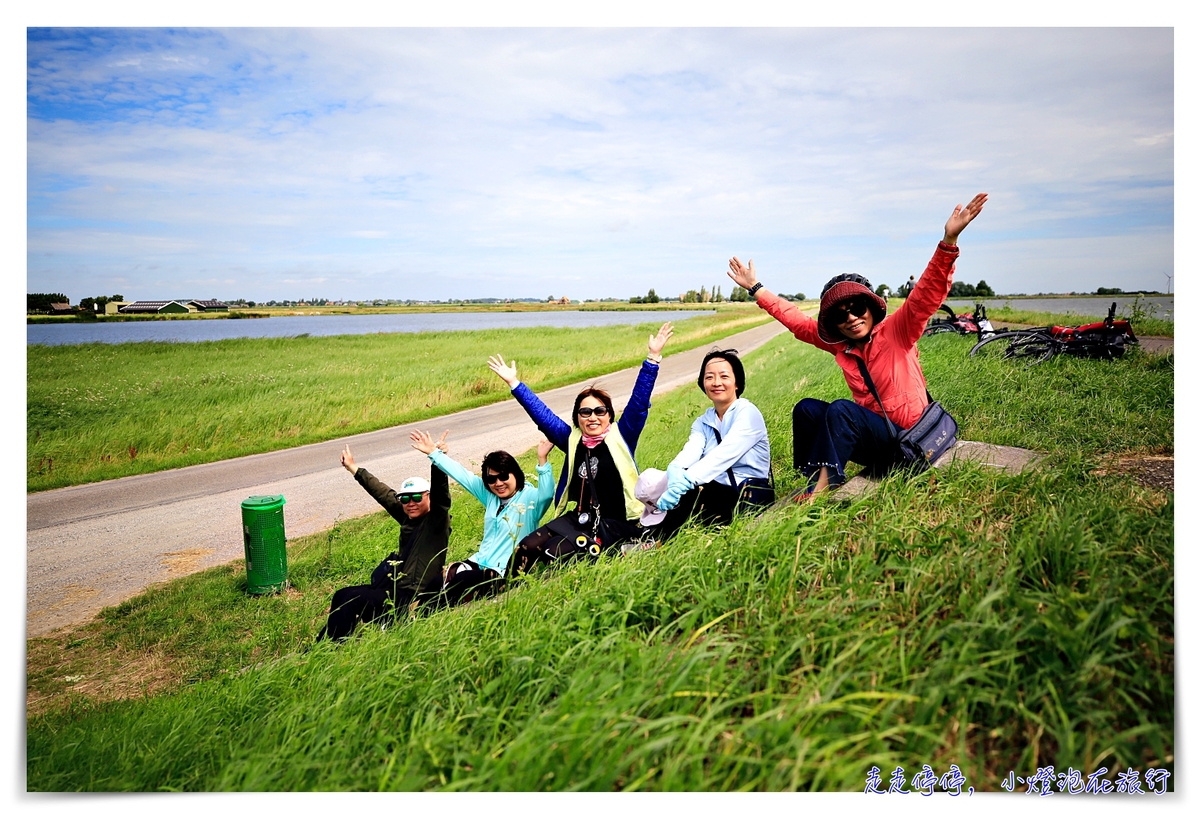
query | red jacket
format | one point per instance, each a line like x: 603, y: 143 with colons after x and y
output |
x: 891, y: 353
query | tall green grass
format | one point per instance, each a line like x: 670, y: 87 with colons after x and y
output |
x: 965, y: 616
x: 99, y: 411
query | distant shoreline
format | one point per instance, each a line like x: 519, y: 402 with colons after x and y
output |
x: 269, y: 312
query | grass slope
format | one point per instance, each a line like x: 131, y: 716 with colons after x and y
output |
x: 992, y: 621
x: 99, y: 411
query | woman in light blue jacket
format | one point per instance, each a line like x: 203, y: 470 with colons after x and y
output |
x: 727, y: 446
x: 511, y: 510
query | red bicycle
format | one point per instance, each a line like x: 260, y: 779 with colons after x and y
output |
x: 967, y: 323
x: 1105, y: 339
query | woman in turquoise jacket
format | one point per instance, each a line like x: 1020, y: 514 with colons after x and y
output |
x: 511, y: 510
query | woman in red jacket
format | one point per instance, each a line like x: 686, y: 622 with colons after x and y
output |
x: 853, y: 325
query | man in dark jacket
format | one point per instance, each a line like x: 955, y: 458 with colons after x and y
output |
x: 414, y: 570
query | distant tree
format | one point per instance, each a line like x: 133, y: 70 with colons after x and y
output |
x: 982, y: 289
x: 717, y: 297
x: 960, y: 290
x: 117, y: 297
x: 691, y: 297
x: 739, y: 294
x: 1108, y: 291
x: 705, y: 297
x: 883, y: 291
x: 40, y: 302
x: 652, y: 297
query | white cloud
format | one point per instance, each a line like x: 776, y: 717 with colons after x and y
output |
x: 463, y: 162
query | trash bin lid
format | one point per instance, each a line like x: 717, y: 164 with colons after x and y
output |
x: 263, y: 501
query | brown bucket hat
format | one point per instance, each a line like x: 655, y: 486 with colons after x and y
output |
x: 838, y: 289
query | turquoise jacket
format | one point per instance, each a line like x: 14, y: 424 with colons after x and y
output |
x: 503, y: 527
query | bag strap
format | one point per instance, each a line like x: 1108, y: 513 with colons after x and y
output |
x: 591, y: 484
x: 732, y: 480
x: 862, y: 367
x: 729, y: 471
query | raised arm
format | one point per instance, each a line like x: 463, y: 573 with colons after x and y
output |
x: 782, y: 310
x: 439, y: 486
x: 932, y: 288
x: 545, y: 480
x: 633, y: 417
x: 473, y: 483
x: 551, y: 425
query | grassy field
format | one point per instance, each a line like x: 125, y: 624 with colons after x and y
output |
x: 99, y: 411
x: 997, y: 622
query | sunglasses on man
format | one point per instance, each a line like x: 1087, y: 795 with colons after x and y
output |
x: 587, y: 411
x: 492, y: 477
x: 411, y: 498
x: 857, y: 307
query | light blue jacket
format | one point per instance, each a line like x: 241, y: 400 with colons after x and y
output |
x: 744, y: 445
x: 503, y: 527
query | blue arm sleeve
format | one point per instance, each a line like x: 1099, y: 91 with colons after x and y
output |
x: 633, y: 419
x: 556, y: 430
x: 473, y: 483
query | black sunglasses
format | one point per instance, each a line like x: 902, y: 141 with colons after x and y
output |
x: 492, y: 478
x: 410, y: 498
x: 587, y: 411
x: 858, y: 307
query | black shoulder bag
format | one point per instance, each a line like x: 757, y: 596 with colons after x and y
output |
x: 754, y: 492
x: 928, y: 439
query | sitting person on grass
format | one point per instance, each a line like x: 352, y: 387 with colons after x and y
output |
x: 854, y: 327
x: 511, y: 510
x: 600, y: 472
x: 727, y: 447
x: 414, y: 570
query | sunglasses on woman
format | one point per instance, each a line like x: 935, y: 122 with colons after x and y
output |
x: 411, y: 498
x: 587, y: 411
x: 857, y: 307
x: 492, y: 477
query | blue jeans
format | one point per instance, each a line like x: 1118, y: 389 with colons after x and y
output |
x: 833, y: 434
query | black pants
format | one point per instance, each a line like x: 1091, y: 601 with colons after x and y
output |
x: 711, y: 503
x: 467, y: 581
x: 556, y: 541
x: 361, y: 603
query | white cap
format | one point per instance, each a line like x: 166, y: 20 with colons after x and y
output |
x: 650, y: 486
x: 414, y: 484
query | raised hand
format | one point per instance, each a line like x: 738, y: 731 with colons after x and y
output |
x: 506, y: 371
x: 657, y: 342
x: 348, y: 460
x: 742, y: 275
x: 962, y: 216
x: 544, y: 449
x: 423, y: 441
x: 441, y: 444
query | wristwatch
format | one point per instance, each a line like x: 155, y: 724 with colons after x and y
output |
x: 754, y: 289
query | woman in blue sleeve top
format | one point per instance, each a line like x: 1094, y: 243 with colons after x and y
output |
x: 511, y: 510
x: 600, y: 472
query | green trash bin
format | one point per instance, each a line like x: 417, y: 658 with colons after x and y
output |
x: 266, y: 544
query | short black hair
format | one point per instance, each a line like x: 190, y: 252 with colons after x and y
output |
x: 598, y: 394
x: 735, y: 363
x: 501, y: 461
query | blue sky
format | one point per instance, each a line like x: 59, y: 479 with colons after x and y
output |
x: 449, y: 163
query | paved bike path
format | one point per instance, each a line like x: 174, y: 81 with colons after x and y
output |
x: 96, y: 545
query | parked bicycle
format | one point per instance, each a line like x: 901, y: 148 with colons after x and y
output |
x: 1105, y: 339
x: 967, y: 323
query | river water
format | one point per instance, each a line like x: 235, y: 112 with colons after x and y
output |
x: 1084, y: 306
x: 283, y: 326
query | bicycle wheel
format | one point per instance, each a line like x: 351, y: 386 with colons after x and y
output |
x: 1027, y: 345
x: 938, y: 329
